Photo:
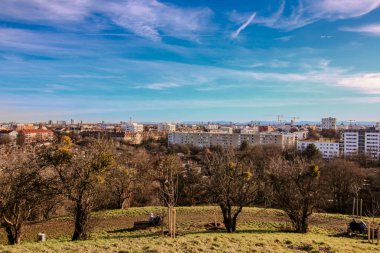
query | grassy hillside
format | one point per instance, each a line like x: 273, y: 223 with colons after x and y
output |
x: 260, y: 230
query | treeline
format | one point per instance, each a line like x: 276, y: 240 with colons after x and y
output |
x: 79, y: 177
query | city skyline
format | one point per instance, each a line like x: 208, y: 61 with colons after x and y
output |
x: 198, y: 61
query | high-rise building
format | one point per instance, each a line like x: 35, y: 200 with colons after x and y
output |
x: 328, y: 123
x: 361, y: 141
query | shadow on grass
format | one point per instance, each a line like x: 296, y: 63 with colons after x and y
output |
x: 242, y: 231
x: 128, y: 235
x: 346, y: 235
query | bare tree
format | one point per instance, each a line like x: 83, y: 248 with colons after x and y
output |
x: 78, y: 171
x: 231, y: 184
x: 165, y: 173
x: 127, y: 175
x: 296, y: 189
x: 341, y: 179
x: 191, y: 185
x: 22, y: 191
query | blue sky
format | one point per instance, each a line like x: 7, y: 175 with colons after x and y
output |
x: 189, y: 60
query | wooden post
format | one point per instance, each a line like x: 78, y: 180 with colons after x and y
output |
x: 361, y: 208
x: 215, y: 221
x: 174, y: 221
x: 171, y: 223
x: 369, y: 232
x: 373, y: 234
x: 169, y: 220
x: 357, y: 207
x: 353, y: 208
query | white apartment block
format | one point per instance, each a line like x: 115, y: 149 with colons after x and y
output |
x: 211, y: 127
x: 208, y: 139
x: 350, y: 143
x: 133, y: 127
x: 328, y: 149
x: 249, y: 130
x: 328, y: 123
x: 372, y: 144
x: 166, y: 127
x: 365, y: 141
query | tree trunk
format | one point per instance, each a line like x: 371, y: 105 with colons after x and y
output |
x: 82, y: 217
x: 301, y: 224
x: 228, y: 221
x: 14, y: 233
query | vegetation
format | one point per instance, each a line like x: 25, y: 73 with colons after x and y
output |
x: 73, y: 178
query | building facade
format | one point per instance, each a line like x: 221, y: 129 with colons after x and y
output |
x: 209, y: 139
x: 166, y: 127
x: 328, y: 149
x: 361, y: 141
x: 36, y: 135
x: 328, y: 123
x: 133, y: 127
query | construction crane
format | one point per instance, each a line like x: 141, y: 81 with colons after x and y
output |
x: 349, y: 120
x: 278, y: 116
x: 294, y: 118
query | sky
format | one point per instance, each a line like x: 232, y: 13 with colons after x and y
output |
x: 198, y: 60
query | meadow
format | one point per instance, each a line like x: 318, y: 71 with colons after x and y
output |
x: 259, y: 230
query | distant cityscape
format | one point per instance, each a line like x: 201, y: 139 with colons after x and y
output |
x: 330, y: 137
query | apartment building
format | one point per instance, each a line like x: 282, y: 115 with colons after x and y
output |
x: 361, y: 141
x: 133, y: 127
x: 36, y: 135
x: 328, y: 123
x: 208, y: 139
x: 166, y: 127
x: 328, y: 149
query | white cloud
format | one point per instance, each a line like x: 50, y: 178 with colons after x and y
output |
x: 159, y: 86
x: 366, y: 82
x: 243, y: 26
x: 371, y: 29
x: 145, y: 18
x: 41, y: 10
x: 341, y: 9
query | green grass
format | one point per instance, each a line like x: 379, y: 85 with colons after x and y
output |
x: 259, y: 230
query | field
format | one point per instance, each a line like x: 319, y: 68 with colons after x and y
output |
x: 259, y: 230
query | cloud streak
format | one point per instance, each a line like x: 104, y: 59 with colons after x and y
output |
x: 370, y: 29
x: 243, y: 26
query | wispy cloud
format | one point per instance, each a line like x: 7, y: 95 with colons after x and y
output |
x: 370, y: 29
x: 306, y: 12
x: 150, y: 19
x: 35, y: 11
x: 159, y: 86
x: 243, y: 26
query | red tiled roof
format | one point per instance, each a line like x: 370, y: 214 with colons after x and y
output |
x: 6, y: 131
x: 30, y: 131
